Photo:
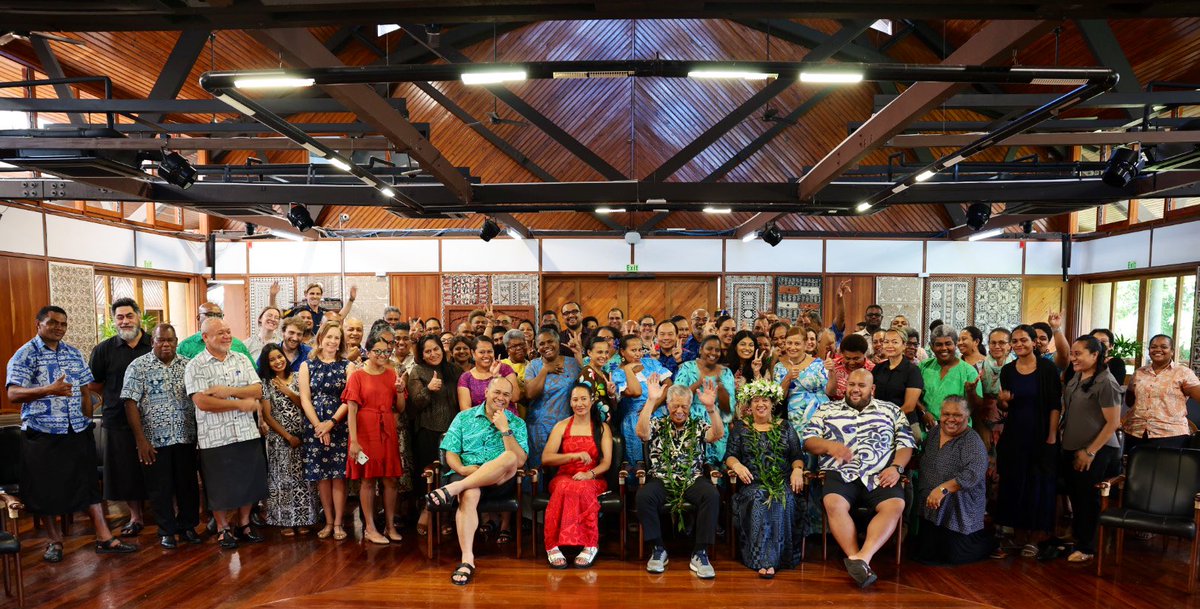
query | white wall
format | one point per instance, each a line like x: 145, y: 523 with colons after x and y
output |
x: 1112, y: 253
x: 875, y: 256
x: 497, y: 256
x: 156, y: 251
x: 1045, y: 257
x: 683, y: 255
x: 584, y: 255
x: 1176, y: 244
x: 294, y: 257
x: 21, y: 232
x: 973, y: 258
x: 231, y: 257
x: 790, y: 256
x: 88, y: 241
x: 392, y: 256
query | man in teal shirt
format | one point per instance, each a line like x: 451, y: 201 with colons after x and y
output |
x: 945, y: 375
x: 485, y: 447
x: 191, y: 346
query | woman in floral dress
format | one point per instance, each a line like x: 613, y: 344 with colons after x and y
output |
x: 291, y: 500
x: 803, y: 378
x: 322, y: 380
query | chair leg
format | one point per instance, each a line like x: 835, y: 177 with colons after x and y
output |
x: 20, y: 580
x: 1099, y: 551
x: 641, y: 542
x: 533, y: 538
x: 517, y: 518
x: 1192, y: 563
x: 624, y: 532
x: 825, y: 537
x: 1120, y: 546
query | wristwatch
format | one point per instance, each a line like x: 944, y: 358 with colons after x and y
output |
x: 1089, y: 453
x: 507, y: 434
x: 899, y: 468
x: 945, y: 491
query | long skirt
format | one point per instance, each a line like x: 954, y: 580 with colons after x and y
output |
x: 58, y: 472
x: 292, y: 501
x: 938, y: 545
x: 573, y: 515
x: 766, y: 532
x: 235, y: 475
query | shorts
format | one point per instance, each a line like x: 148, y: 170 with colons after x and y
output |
x: 855, y: 492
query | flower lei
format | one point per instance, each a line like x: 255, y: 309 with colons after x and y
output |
x: 679, y: 453
x: 768, y: 460
x: 761, y: 388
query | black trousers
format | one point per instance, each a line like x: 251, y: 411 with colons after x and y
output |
x: 173, y: 489
x: 702, y: 494
x: 1085, y: 500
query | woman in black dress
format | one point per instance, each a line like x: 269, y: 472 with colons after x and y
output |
x: 1026, y: 455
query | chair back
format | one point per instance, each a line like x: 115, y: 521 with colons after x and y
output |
x: 1163, y: 481
x: 612, y: 476
x: 10, y: 455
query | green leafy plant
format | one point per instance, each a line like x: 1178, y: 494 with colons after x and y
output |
x: 680, y: 451
x: 108, y: 328
x: 1125, y: 348
x: 768, y: 460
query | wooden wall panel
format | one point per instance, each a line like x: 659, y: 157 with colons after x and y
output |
x: 24, y: 288
x: 658, y: 297
x: 1042, y: 295
x: 647, y: 298
x: 417, y: 295
x: 687, y: 295
x: 862, y: 295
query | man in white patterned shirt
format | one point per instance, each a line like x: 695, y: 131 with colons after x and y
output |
x: 226, y: 390
x: 863, y: 445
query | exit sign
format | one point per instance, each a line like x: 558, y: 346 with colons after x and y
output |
x: 1132, y: 264
x: 631, y: 268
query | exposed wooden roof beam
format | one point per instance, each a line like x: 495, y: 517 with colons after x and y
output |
x: 177, y: 68
x: 53, y: 69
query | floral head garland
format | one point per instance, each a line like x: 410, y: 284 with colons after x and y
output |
x: 760, y: 388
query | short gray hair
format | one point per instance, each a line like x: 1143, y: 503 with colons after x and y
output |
x: 679, y: 391
x: 943, y: 331
x: 513, y: 335
x: 960, y: 400
x: 395, y: 310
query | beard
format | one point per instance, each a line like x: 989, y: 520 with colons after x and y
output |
x: 859, y: 404
x: 128, y: 335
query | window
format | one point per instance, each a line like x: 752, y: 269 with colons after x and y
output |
x: 161, y: 300
x: 1150, y: 209
x: 1115, y: 212
x: 1183, y: 202
x: 1187, y: 316
x: 1136, y: 309
x: 1085, y: 221
x: 1125, y: 309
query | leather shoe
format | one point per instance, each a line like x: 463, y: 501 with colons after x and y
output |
x: 190, y: 536
x: 167, y: 542
x: 257, y: 520
x: 249, y: 535
x: 54, y: 553
x: 227, y: 540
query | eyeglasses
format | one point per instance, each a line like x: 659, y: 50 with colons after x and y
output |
x: 575, y: 312
x: 217, y: 315
x: 381, y: 352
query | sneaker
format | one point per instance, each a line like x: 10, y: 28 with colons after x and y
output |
x: 701, y: 566
x: 658, y: 560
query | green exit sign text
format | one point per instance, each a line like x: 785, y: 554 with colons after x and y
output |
x: 631, y: 268
x: 1131, y: 264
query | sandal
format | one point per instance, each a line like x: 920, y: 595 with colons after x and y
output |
x: 464, y: 571
x: 504, y: 537
x: 422, y: 530
x: 439, y: 497
x: 586, y: 558
x: 447, y: 530
x: 132, y: 529
x: 325, y: 532
x: 487, y: 528
x: 1029, y: 550
x: 376, y: 538
x: 767, y: 573
x: 339, y: 533
x: 114, y: 546
x: 393, y: 536
x: 54, y: 552
x: 556, y: 558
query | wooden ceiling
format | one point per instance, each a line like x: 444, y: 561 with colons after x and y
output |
x: 633, y: 124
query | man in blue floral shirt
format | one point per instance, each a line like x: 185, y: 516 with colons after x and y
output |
x: 48, y: 378
x: 163, y: 421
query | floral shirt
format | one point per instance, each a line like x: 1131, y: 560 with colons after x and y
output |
x: 161, y: 395
x: 873, y: 435
x: 1160, y: 404
x: 677, y: 452
x: 475, y: 440
x: 36, y: 365
x: 840, y: 372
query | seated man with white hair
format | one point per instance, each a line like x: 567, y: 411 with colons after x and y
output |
x: 677, y: 444
x: 863, y: 444
x: 485, y: 446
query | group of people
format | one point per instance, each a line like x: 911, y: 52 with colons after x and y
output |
x: 805, y: 421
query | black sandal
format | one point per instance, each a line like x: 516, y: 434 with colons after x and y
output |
x: 114, y: 546
x: 465, y: 571
x: 132, y: 529
x: 54, y: 552
x: 504, y: 537
x: 439, y: 497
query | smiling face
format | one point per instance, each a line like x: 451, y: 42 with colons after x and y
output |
x: 164, y: 343
x: 354, y: 332
x: 911, y: 344
x: 392, y: 318
x: 433, y: 352
x: 518, y: 349
x: 666, y: 336
x: 312, y: 297
x: 1082, y: 360
x: 126, y: 320
x: 615, y: 319
x: 608, y: 333
x: 277, y: 361
x: 778, y: 336
x: 598, y: 354
x: 860, y: 386
x: 217, y: 336
x: 699, y: 318
x: 269, y: 320
x: 307, y: 317
x: 479, y: 324
x: 726, y: 331
x: 292, y: 336
x: 631, y: 350
x: 967, y: 345
x: 892, y: 344
x: 331, y: 342
x: 745, y: 348
x: 763, y: 342
x: 793, y: 345
x: 683, y: 331
x: 547, y: 346
x: 381, y: 352
x: 953, y: 418
x: 526, y: 328
x: 679, y: 408
x: 581, y: 401
x: 810, y: 342
x: 853, y: 360
x: 433, y: 326
x: 461, y: 352
x: 760, y: 409
x: 1161, y: 351
x: 1022, y: 343
x: 710, y: 353
x: 998, y: 346
x: 403, y: 344
x: 943, y: 348
x: 900, y: 321
x: 447, y: 338
x: 485, y: 355
x: 499, y: 395
x: 647, y: 328
x: 571, y: 314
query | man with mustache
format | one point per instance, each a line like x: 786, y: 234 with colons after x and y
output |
x: 863, y: 445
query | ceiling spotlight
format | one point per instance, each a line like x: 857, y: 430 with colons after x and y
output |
x: 924, y: 175
x: 299, y: 217
x: 1122, y: 167
x: 771, y: 235
x: 861, y: 207
x: 177, y: 170
x: 1027, y: 227
x: 250, y: 229
x: 490, y: 229
x: 978, y: 215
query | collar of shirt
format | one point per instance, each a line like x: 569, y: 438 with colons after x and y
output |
x: 1149, y: 369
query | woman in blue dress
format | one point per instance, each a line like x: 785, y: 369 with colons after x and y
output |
x: 322, y: 379
x: 630, y: 380
x: 548, y: 382
x: 803, y: 378
x: 692, y: 374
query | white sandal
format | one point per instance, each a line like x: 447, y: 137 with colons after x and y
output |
x: 586, y: 557
x: 556, y: 558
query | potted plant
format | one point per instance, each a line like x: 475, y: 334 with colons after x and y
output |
x: 1127, y: 350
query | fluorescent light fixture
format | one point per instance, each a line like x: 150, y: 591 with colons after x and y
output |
x: 610, y: 210
x: 750, y: 236
x: 951, y: 162
x: 491, y: 78
x: 366, y: 180
x: 388, y: 192
x: 313, y: 149
x: 987, y: 234
x: 899, y: 188
x: 656, y: 201
x: 339, y: 163
x: 286, y: 235
x: 236, y: 105
x: 710, y: 74
x: 861, y: 207
x: 831, y: 77
x: 272, y: 82
x: 924, y: 175
x: 515, y: 234
x: 718, y: 210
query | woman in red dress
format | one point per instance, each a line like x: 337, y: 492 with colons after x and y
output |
x: 373, y: 393
x: 581, y: 448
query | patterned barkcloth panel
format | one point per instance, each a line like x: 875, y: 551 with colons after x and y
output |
x: 949, y: 299
x: 260, y: 296
x: 997, y: 303
x: 902, y: 296
x: 465, y: 290
x: 515, y: 290
x: 796, y: 294
x: 73, y: 287
x: 747, y: 295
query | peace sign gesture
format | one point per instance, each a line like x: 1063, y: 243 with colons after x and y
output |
x: 756, y: 364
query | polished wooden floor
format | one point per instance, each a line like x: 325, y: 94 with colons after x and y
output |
x: 307, y: 573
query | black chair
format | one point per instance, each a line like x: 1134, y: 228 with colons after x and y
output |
x: 713, y: 474
x: 433, y: 480
x: 1159, y: 493
x: 611, y: 502
x: 862, y: 515
x: 731, y: 525
x: 10, y: 511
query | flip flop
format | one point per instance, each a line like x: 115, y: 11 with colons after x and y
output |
x: 465, y: 571
x: 439, y: 497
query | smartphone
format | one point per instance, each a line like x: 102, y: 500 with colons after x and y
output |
x: 361, y: 458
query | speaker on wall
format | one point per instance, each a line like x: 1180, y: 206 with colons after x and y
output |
x: 1066, y: 254
x: 210, y: 255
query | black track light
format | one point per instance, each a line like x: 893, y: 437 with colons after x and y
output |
x: 299, y: 217
x: 177, y: 170
x: 1122, y: 167
x: 771, y: 235
x: 490, y: 229
x: 978, y: 215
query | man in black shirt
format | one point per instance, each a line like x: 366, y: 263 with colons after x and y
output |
x: 123, y: 479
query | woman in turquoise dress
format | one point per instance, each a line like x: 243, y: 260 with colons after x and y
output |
x: 708, y: 366
x: 634, y: 393
x: 803, y: 378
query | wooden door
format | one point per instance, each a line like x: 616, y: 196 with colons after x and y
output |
x: 1042, y: 295
x: 862, y: 295
x: 417, y: 296
x: 646, y: 298
x: 24, y: 288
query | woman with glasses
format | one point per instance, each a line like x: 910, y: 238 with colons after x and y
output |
x: 372, y: 394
